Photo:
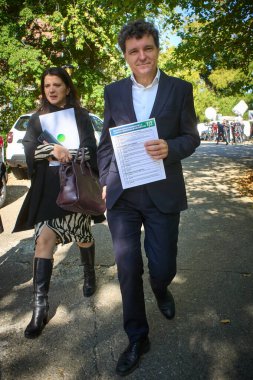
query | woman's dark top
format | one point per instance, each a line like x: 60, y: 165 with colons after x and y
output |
x: 40, y: 202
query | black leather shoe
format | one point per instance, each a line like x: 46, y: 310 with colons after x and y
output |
x: 130, y: 358
x: 166, y: 304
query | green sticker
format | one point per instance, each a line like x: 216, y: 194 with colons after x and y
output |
x: 61, y: 137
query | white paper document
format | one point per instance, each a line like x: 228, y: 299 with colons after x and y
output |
x: 62, y: 125
x: 135, y: 165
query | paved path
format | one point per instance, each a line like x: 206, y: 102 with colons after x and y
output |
x: 211, y: 335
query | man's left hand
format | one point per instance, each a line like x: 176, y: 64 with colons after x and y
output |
x: 157, y: 149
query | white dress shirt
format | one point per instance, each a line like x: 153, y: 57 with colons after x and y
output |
x: 144, y: 97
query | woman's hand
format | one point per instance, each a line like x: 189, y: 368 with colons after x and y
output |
x: 61, y: 153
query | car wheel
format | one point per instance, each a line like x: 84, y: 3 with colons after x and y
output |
x: 20, y: 173
x: 3, y: 193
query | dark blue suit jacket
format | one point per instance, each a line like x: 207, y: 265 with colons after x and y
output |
x: 175, y: 118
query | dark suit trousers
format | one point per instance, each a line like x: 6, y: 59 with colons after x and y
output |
x: 125, y: 219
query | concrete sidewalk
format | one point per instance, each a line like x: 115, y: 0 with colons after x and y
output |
x: 212, y: 333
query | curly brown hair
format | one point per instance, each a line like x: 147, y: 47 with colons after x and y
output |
x: 137, y: 29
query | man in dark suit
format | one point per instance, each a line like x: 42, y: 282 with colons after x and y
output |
x: 148, y: 93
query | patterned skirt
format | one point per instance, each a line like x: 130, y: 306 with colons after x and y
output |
x: 70, y: 228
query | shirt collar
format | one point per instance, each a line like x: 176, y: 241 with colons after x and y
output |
x: 155, y: 80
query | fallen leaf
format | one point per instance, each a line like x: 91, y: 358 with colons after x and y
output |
x: 245, y: 184
x: 225, y: 321
x: 246, y: 274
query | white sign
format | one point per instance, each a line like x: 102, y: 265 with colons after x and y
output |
x: 210, y: 113
x: 240, y: 108
x: 136, y: 166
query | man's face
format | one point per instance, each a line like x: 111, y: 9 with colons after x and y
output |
x: 142, y: 56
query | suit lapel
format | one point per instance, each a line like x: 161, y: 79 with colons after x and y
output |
x: 127, y: 98
x: 162, y: 95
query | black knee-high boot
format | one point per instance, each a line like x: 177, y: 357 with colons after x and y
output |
x: 42, y: 272
x: 87, y: 260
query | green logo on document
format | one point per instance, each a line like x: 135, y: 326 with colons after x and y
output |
x: 61, y: 137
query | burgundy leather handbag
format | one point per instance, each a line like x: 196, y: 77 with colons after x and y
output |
x: 80, y: 190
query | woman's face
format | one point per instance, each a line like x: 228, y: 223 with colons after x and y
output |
x: 55, y: 90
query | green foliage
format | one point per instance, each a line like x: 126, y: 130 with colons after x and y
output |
x: 218, y: 26
x: 82, y: 33
x: 215, y: 53
x: 221, y: 33
x: 221, y: 92
x: 217, y: 45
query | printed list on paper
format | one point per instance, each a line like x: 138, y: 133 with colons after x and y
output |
x: 135, y: 166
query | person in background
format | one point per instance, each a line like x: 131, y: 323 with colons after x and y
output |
x: 214, y: 131
x: 221, y: 133
x: 52, y: 224
x: 232, y: 129
x: 226, y: 131
x: 147, y: 93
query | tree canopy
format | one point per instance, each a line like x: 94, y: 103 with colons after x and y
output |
x: 215, y: 52
x: 218, y: 35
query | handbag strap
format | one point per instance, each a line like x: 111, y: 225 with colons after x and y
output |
x: 63, y: 168
x: 82, y: 162
x: 80, y: 155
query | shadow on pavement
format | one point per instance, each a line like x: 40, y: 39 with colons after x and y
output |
x: 211, y: 335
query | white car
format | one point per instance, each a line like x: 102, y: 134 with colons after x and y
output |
x: 15, y: 156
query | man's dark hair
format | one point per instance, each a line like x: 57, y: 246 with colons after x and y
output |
x: 137, y: 29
